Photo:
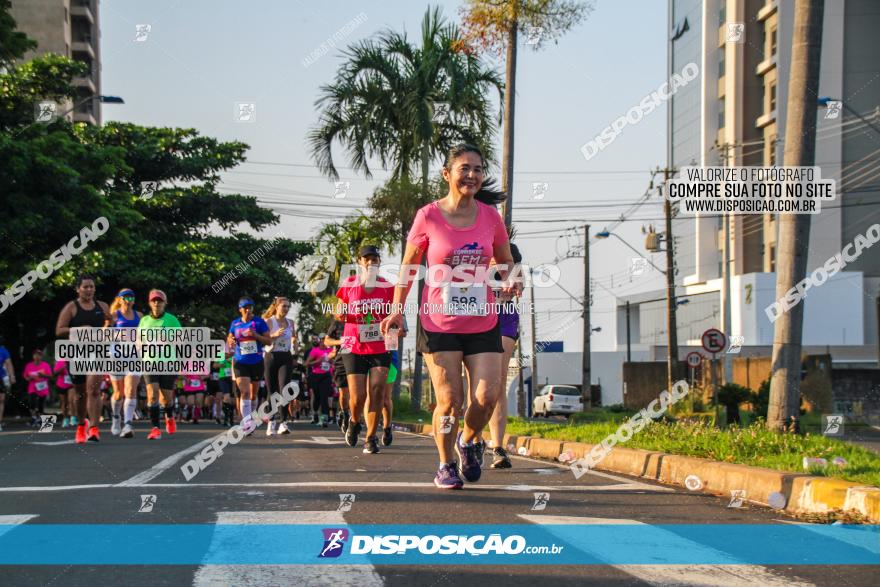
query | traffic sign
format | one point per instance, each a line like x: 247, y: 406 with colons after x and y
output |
x: 714, y: 340
x: 694, y: 359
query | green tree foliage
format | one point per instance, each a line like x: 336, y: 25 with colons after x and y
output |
x: 731, y: 395
x: 57, y: 178
x: 382, y: 103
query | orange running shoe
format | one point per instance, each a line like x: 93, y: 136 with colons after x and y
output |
x: 170, y: 425
x: 94, y: 435
x: 80, y: 434
x: 155, y: 434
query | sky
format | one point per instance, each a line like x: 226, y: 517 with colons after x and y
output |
x: 201, y: 58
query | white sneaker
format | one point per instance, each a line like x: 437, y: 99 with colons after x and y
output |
x: 284, y: 428
x: 270, y: 428
x: 115, y: 428
x: 127, y: 431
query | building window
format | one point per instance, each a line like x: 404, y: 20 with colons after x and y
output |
x: 721, y: 113
x: 722, y: 12
x: 771, y: 99
x: 772, y: 258
x: 772, y: 41
x: 771, y: 150
x: 721, y: 62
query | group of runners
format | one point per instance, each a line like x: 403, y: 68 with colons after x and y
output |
x: 466, y: 347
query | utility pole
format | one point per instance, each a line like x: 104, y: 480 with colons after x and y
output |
x: 586, y: 377
x: 726, y: 323
x: 783, y: 413
x: 509, y: 106
x: 671, y: 323
x: 628, y: 351
x: 534, y: 387
x: 521, y: 392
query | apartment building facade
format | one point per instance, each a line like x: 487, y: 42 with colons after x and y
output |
x: 734, y: 114
x: 70, y: 28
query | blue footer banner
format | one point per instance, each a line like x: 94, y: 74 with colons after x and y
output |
x: 526, y: 544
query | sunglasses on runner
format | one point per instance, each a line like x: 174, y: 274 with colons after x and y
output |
x: 128, y: 298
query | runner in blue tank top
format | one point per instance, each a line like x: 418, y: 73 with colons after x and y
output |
x: 123, y: 315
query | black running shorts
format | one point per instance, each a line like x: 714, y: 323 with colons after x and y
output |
x: 253, y: 371
x: 468, y: 344
x: 165, y: 382
x: 361, y: 364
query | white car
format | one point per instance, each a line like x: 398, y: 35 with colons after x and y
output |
x: 557, y: 399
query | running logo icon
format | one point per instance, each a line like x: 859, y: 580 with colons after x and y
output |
x: 735, y: 32
x: 141, y: 32
x: 539, y: 190
x: 340, y: 189
x: 334, y: 540
x: 541, y: 500
x: 446, y: 423
x: 736, y: 343
x: 346, y: 500
x: 737, y: 496
x: 533, y: 35
x: 147, y: 503
x: 45, y: 111
x: 47, y: 423
x: 833, y: 425
x: 148, y: 188
x: 638, y: 266
x: 441, y: 112
x: 245, y: 112
x: 832, y: 109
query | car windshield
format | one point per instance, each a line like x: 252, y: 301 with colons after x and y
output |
x: 564, y: 390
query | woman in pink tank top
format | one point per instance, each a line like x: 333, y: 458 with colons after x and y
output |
x: 458, y: 321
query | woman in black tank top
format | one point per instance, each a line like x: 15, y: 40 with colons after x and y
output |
x: 88, y: 393
x: 94, y: 317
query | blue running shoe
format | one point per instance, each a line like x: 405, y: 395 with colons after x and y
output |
x: 447, y: 478
x: 481, y: 449
x: 469, y: 467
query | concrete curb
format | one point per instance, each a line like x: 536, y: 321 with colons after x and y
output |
x: 803, y: 493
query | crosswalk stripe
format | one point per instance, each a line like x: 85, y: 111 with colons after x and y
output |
x: 328, y: 575
x: 721, y: 575
x: 9, y: 522
x: 634, y: 487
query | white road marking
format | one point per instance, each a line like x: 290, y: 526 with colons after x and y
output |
x: 166, y: 463
x: 853, y: 538
x: 722, y: 575
x: 322, y: 440
x: 55, y: 488
x: 634, y: 487
x: 56, y: 443
x: 261, y: 575
x: 7, y: 523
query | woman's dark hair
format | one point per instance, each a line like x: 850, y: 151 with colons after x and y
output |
x: 517, y: 256
x: 489, y: 193
x: 83, y: 277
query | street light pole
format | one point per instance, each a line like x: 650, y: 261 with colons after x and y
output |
x: 586, y: 378
x: 534, y: 386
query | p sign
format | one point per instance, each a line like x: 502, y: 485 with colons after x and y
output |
x: 694, y: 359
x: 713, y: 340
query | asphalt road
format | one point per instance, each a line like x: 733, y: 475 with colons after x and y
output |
x: 297, y: 479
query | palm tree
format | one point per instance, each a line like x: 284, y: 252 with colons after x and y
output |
x: 494, y: 25
x: 384, y: 104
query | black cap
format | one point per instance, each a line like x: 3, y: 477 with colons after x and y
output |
x: 368, y: 250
